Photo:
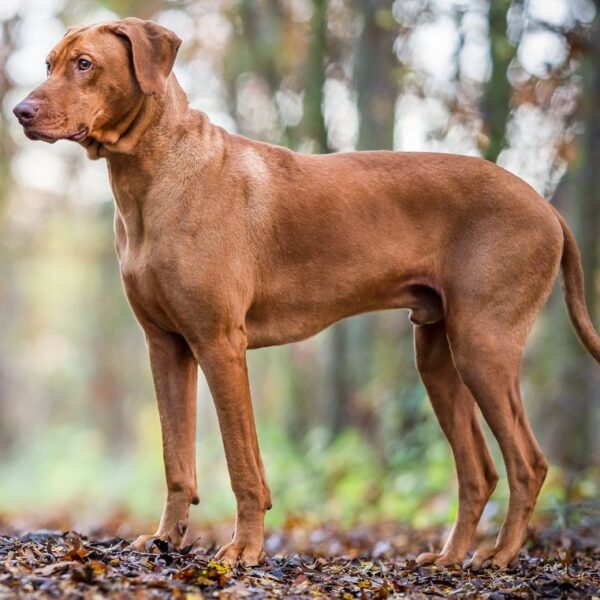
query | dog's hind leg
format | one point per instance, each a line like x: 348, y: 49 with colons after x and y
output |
x: 487, y: 354
x: 455, y: 408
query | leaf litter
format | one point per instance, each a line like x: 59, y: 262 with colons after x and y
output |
x: 325, y: 562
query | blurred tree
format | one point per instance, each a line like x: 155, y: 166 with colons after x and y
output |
x: 313, y: 122
x: 376, y: 75
x: 376, y: 85
x: 108, y: 385
x: 351, y: 342
x: 7, y: 29
x: 576, y: 398
x: 497, y: 97
x: 255, y: 51
x: 7, y: 292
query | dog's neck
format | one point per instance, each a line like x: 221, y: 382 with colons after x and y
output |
x: 153, y: 134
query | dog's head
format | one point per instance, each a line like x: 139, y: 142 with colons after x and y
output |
x: 97, y: 76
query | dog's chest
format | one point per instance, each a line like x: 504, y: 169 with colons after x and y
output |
x: 152, y: 283
x: 142, y: 281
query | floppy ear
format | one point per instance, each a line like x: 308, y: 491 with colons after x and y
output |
x: 153, y: 50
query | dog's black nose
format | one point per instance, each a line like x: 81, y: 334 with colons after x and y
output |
x: 25, y: 111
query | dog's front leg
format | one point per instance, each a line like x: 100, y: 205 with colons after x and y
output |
x: 175, y: 373
x: 224, y: 364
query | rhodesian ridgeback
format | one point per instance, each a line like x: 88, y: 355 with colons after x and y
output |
x: 227, y: 244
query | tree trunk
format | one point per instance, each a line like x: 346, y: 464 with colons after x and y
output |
x: 496, y: 103
x: 9, y: 300
x: 574, y: 406
x: 352, y: 341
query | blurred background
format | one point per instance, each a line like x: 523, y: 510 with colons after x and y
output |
x: 345, y: 425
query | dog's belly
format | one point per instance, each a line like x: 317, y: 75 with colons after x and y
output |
x: 283, y: 320
x: 278, y: 328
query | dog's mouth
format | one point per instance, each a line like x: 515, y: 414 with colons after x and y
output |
x: 35, y: 134
x: 79, y: 135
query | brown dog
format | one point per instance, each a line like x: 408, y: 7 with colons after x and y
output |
x: 227, y: 244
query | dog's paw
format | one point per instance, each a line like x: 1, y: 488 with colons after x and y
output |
x: 427, y: 558
x: 492, y: 558
x: 439, y: 560
x: 248, y: 555
x: 143, y: 543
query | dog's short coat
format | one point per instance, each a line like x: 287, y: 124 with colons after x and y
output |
x: 226, y: 244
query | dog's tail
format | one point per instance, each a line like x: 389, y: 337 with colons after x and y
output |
x: 574, y: 292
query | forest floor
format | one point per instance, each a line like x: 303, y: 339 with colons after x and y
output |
x: 318, y: 562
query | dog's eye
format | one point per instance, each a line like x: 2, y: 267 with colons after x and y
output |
x: 48, y: 67
x: 83, y: 64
